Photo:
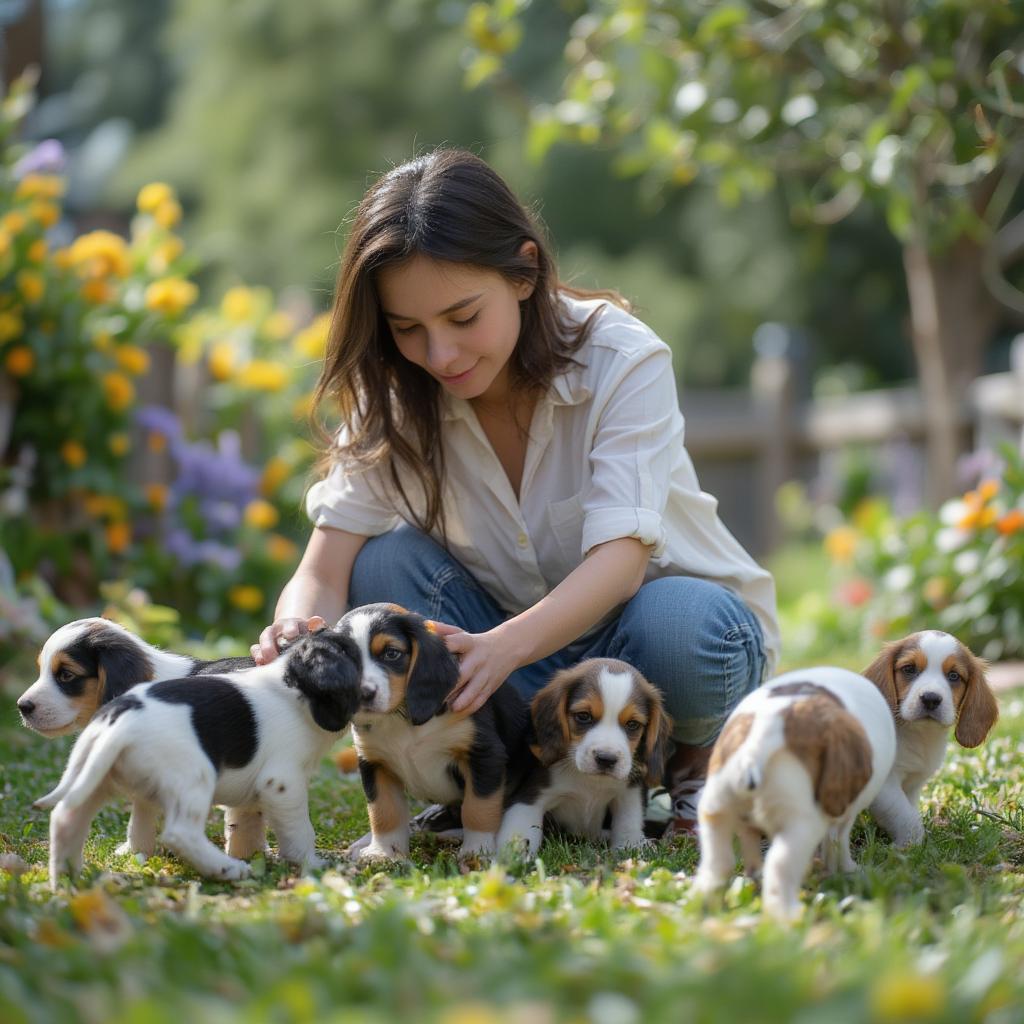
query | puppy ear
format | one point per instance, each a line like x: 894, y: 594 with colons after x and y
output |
x: 656, y: 737
x: 433, y: 673
x: 549, y: 713
x: 322, y: 668
x: 882, y: 672
x: 979, y: 708
x: 122, y: 661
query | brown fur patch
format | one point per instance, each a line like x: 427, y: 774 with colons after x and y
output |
x: 549, y: 712
x: 730, y: 739
x: 978, y: 706
x: 480, y: 813
x: 389, y: 809
x: 803, y: 689
x: 64, y: 660
x: 834, y: 749
x: 885, y: 671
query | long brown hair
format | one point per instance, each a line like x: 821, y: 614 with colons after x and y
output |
x: 448, y: 205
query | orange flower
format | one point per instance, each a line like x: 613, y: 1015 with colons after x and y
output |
x: 275, y: 473
x: 988, y: 489
x: 119, y: 444
x: 47, y: 214
x: 36, y: 252
x: 31, y: 285
x: 40, y: 186
x: 1011, y: 522
x: 156, y: 495
x: 97, y: 292
x: 74, y: 454
x: 246, y: 597
x: 11, y: 325
x: 221, y: 361
x: 20, y: 361
x: 841, y: 544
x: 261, y: 514
x: 854, y: 593
x: 118, y: 391
x: 281, y: 549
x: 132, y: 359
x: 119, y: 536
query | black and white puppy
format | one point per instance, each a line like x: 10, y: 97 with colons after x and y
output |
x: 600, y: 737
x: 245, y: 739
x: 86, y: 664
x: 409, y: 742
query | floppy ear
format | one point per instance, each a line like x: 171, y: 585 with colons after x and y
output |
x: 433, y: 673
x: 979, y: 708
x: 321, y: 667
x: 548, y: 712
x: 122, y: 661
x: 882, y: 672
x: 656, y: 737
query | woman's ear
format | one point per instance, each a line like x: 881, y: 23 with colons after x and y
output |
x: 528, y: 250
x: 548, y: 712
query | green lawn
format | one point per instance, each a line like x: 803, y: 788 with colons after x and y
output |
x: 934, y: 934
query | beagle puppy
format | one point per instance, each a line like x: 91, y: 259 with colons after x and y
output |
x: 599, y: 738
x: 250, y: 738
x: 88, y: 663
x: 409, y: 742
x: 931, y: 683
x: 796, y: 761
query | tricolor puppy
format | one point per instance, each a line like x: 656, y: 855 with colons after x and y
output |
x: 246, y: 739
x: 85, y: 665
x: 599, y: 737
x: 930, y: 681
x: 408, y: 741
x: 797, y: 761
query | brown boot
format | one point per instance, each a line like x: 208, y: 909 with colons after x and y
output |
x: 685, y: 774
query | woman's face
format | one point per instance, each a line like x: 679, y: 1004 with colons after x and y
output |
x: 458, y: 322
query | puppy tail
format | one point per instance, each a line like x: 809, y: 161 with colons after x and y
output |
x: 754, y: 754
x: 91, y: 760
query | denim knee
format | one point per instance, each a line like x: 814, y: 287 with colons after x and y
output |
x: 699, y: 644
x: 402, y: 566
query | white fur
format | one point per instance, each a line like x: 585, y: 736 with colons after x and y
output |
x: 764, y: 788
x: 153, y: 755
x: 607, y: 738
x: 375, y: 687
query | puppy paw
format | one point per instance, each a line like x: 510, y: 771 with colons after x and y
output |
x: 379, y: 852
x: 706, y: 884
x: 235, y: 871
x: 313, y: 862
x: 127, y: 850
x: 635, y: 843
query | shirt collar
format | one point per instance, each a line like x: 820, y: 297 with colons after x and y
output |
x: 567, y: 388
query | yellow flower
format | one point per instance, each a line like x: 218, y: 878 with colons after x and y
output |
x: 988, y: 489
x: 97, y: 292
x: 99, y: 254
x: 119, y: 444
x: 45, y: 213
x: 103, y: 341
x: 312, y: 341
x: 132, y: 359
x: 156, y: 495
x: 153, y: 195
x: 74, y: 454
x: 5, y: 241
x: 904, y: 996
x: 165, y: 254
x: 275, y: 472
x: 841, y: 544
x: 222, y: 361
x: 168, y: 213
x: 118, y: 391
x: 40, y: 186
x: 119, y: 536
x: 278, y: 325
x: 62, y: 259
x: 246, y: 597
x: 36, y: 252
x: 14, y: 222
x: 156, y: 443
x: 263, y: 375
x: 20, y: 361
x: 11, y: 326
x: 105, y: 506
x: 238, y: 304
x: 170, y: 295
x: 31, y: 285
x: 281, y: 549
x: 261, y: 514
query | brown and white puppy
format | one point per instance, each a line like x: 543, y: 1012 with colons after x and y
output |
x: 88, y: 663
x: 797, y: 761
x: 932, y: 683
x: 409, y: 742
x: 599, y: 737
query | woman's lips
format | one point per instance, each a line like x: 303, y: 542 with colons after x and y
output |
x: 458, y: 377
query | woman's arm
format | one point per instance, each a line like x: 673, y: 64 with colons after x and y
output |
x: 608, y: 577
x: 317, y: 590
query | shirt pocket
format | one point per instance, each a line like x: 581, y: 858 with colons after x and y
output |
x: 566, y: 521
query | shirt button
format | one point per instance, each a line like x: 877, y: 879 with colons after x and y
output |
x: 522, y: 540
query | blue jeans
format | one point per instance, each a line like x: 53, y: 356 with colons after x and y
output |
x: 694, y: 640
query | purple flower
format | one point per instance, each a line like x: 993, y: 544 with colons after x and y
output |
x: 46, y: 158
x: 159, y: 420
x: 213, y: 553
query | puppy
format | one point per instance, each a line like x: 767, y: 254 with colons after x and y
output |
x: 930, y: 681
x: 177, y: 746
x: 599, y: 737
x: 409, y: 742
x: 88, y: 663
x: 797, y: 761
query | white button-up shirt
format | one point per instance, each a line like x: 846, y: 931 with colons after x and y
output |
x: 604, y: 459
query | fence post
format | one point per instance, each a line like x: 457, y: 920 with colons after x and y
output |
x: 1017, y: 368
x: 777, y: 383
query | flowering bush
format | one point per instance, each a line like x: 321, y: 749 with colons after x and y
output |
x: 961, y: 570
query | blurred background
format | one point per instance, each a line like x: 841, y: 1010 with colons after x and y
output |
x: 818, y: 206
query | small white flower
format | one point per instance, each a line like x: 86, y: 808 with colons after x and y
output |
x: 899, y: 578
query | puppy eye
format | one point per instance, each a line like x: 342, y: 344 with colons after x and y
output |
x: 65, y: 675
x: 953, y: 676
x: 583, y: 717
x: 633, y: 726
x: 909, y: 670
x: 392, y: 653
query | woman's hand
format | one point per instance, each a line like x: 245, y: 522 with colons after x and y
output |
x: 486, y: 661
x: 279, y: 634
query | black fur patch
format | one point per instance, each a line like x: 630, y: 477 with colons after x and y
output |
x: 368, y: 773
x: 324, y: 668
x: 803, y: 689
x: 222, y: 717
x: 213, y: 668
x: 123, y: 661
x: 112, y: 711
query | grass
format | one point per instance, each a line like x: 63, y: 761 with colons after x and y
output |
x: 936, y: 933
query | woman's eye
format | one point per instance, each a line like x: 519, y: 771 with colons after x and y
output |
x: 468, y: 321
x: 403, y: 330
x: 633, y: 726
x: 583, y: 717
x: 392, y: 653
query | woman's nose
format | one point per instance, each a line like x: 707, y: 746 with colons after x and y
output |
x: 442, y: 352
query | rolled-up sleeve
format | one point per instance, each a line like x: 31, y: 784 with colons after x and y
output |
x: 351, y: 500
x: 637, y: 427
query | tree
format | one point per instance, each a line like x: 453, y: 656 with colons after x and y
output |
x: 917, y: 108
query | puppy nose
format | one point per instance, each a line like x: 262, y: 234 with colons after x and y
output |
x: 930, y: 701
x: 605, y: 761
x: 367, y: 693
x: 26, y: 707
